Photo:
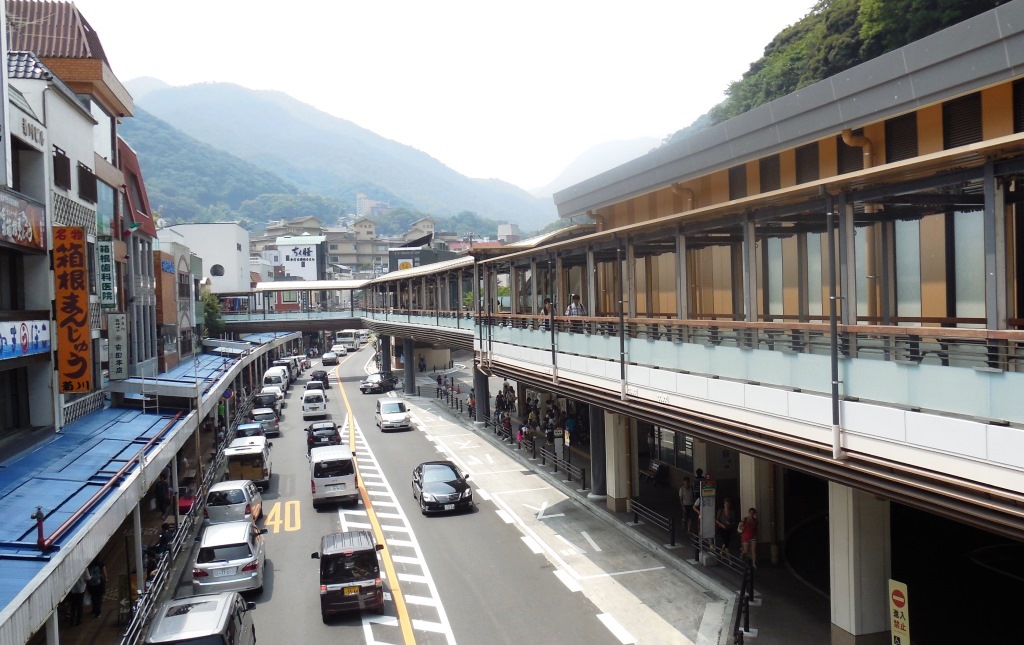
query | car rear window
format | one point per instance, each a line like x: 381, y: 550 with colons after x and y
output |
x: 225, y: 497
x: 313, y: 398
x: 247, y: 461
x: 392, y: 408
x: 341, y: 568
x: 226, y: 552
x: 265, y: 416
x: 333, y: 468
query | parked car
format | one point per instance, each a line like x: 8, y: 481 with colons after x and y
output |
x: 233, y: 501
x: 276, y: 391
x: 322, y: 433
x: 230, y: 558
x: 378, y: 383
x: 440, y: 486
x: 320, y: 375
x: 250, y: 430
x: 392, y: 414
x: 269, y: 419
x: 330, y: 358
x: 267, y: 400
x: 212, y: 618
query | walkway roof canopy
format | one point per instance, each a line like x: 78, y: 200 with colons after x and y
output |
x: 311, y: 285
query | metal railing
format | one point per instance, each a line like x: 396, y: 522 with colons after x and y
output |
x: 571, y: 471
x: 746, y: 596
x: 652, y: 517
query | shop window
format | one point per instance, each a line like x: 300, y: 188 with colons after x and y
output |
x: 1018, y: 106
x: 738, y: 182
x: 771, y: 173
x: 61, y: 169
x: 961, y: 121
x: 901, y: 138
x: 807, y: 163
x: 86, y: 184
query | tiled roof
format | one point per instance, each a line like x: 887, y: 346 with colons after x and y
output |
x: 27, y: 65
x: 51, y: 30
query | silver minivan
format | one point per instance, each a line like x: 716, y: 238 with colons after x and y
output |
x: 332, y: 475
x: 230, y: 558
x: 233, y: 501
x: 219, y: 619
x: 393, y: 414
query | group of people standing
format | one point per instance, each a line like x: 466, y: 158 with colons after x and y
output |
x: 92, y: 581
x: 727, y: 522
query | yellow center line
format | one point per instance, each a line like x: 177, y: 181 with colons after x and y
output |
x: 389, y: 567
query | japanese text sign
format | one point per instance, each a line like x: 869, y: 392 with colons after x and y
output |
x: 71, y: 274
x: 899, y: 613
x: 105, y: 248
x: 117, y: 342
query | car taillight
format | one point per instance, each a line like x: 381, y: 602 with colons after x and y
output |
x: 199, y: 573
x: 248, y: 509
x: 206, y: 513
x: 251, y: 566
x: 323, y: 590
x: 266, y: 472
x: 312, y: 485
x: 378, y: 582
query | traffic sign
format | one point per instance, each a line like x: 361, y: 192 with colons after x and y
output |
x: 899, y: 613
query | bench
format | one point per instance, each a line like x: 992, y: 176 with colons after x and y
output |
x: 656, y: 471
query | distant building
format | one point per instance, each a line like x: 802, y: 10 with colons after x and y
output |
x: 366, y: 206
x: 224, y: 247
x: 508, y: 233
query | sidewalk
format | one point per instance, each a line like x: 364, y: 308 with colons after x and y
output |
x: 785, y: 612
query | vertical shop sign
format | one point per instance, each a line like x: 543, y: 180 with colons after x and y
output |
x: 106, y: 266
x: 117, y: 340
x: 71, y: 273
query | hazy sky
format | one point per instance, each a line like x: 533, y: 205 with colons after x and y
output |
x: 512, y: 90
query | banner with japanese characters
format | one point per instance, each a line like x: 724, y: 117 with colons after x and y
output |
x: 117, y: 346
x: 300, y: 261
x: 71, y: 276
x: 105, y: 250
x: 20, y: 338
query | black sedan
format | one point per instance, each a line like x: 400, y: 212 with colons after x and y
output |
x: 380, y: 382
x: 322, y: 433
x: 320, y: 375
x: 440, y: 486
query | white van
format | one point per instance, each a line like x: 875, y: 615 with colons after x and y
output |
x: 332, y: 475
x: 314, y: 404
x: 276, y: 376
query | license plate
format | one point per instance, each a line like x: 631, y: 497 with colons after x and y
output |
x: 351, y: 591
x: 336, y: 488
x: 449, y: 507
x: 220, y: 573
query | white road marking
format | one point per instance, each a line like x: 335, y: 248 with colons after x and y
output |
x: 412, y: 577
x: 540, y: 511
x: 489, y: 458
x: 617, y: 630
x: 532, y: 544
x: 505, y: 516
x: 405, y: 559
x: 589, y: 539
x: 428, y: 626
x: 359, y: 525
x: 397, y: 542
x: 484, y: 494
x: 389, y: 516
x: 574, y: 547
x: 620, y: 573
x: 568, y: 580
x: 395, y: 528
x: 420, y: 600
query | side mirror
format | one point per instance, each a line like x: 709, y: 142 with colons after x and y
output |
x: 264, y: 531
x: 353, y: 453
x: 270, y: 444
x: 249, y: 606
x: 380, y: 547
x: 314, y: 555
x: 466, y: 475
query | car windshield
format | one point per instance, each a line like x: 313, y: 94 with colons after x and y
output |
x: 250, y: 430
x: 225, y: 497
x: 392, y: 408
x: 226, y: 552
x: 438, y: 473
x: 333, y: 468
x: 341, y: 568
x: 314, y: 385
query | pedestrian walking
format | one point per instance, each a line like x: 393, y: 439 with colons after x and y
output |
x: 725, y: 524
x: 163, y: 495
x: 748, y: 537
x: 77, y: 598
x: 97, y: 585
x: 686, y: 501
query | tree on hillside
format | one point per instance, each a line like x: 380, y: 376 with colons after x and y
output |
x: 265, y: 208
x: 213, y: 326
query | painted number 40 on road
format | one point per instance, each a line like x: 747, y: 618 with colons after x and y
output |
x: 283, y: 516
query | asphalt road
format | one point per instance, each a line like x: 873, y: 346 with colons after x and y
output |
x: 498, y: 574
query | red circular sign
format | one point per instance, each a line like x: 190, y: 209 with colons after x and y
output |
x: 898, y: 598
x: 24, y: 338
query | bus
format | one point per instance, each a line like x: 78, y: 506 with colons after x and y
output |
x: 349, y: 338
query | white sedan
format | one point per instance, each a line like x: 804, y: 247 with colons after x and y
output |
x: 339, y: 349
x: 276, y: 391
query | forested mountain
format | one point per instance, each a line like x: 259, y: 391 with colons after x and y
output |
x: 835, y: 36
x: 325, y: 155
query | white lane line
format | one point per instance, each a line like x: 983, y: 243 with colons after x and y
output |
x: 391, y: 621
x: 620, y: 573
x: 520, y: 490
x: 429, y: 626
x: 505, y: 516
x: 388, y: 504
x: 352, y: 511
x: 617, y: 630
x: 412, y: 577
x: 369, y: 483
x: 405, y: 559
x: 589, y: 539
x: 532, y: 544
x: 574, y: 548
x: 380, y: 492
x: 390, y: 516
x: 484, y: 494
x: 568, y: 580
x: 395, y: 528
x: 420, y: 600
x: 358, y: 525
x: 397, y: 542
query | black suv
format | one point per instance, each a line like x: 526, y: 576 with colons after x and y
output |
x: 267, y: 401
x: 379, y: 382
x: 349, y: 573
x: 322, y: 433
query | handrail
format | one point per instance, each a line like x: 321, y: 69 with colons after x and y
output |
x: 662, y: 522
x: 47, y: 544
